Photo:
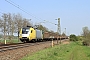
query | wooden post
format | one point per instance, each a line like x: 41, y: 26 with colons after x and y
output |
x: 5, y: 42
x: 57, y: 41
x: 52, y: 42
x: 60, y: 39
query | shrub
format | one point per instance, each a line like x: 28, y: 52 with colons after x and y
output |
x: 86, y: 42
x: 73, y: 37
x: 79, y: 38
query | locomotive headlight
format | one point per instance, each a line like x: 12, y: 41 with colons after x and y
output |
x: 20, y: 35
x: 28, y: 36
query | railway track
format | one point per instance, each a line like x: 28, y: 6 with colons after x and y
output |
x: 18, y: 53
x: 20, y: 45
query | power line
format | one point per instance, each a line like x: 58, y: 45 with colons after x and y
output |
x: 20, y: 8
x: 50, y: 22
x: 17, y: 6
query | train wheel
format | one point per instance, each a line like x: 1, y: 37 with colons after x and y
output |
x: 33, y: 40
x: 41, y: 40
x: 24, y: 41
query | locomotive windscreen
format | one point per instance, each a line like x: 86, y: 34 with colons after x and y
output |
x: 25, y: 30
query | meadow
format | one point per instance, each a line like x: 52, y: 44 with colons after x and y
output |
x: 10, y: 41
x: 71, y: 51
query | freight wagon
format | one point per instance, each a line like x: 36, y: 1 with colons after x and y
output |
x: 49, y: 36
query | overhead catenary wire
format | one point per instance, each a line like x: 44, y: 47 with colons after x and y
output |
x: 23, y: 10
x: 2, y: 12
x: 50, y: 22
x: 20, y: 8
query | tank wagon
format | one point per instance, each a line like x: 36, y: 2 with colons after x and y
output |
x: 30, y: 34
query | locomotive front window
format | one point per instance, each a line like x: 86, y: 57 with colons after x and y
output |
x: 25, y: 31
x: 31, y: 31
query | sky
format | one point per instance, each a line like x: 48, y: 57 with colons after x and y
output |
x: 73, y: 14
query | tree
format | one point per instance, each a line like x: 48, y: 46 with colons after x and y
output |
x: 86, y: 35
x: 85, y: 31
x: 41, y: 27
x: 73, y: 37
x: 4, y: 24
x: 12, y: 23
x: 7, y: 25
x: 25, y: 22
x: 1, y: 23
x: 63, y: 34
x: 18, y: 22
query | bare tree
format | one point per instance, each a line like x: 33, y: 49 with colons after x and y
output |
x: 10, y: 26
x: 9, y: 21
x: 4, y: 24
x: 1, y: 23
x: 41, y: 27
x: 86, y: 35
x: 18, y: 22
x: 85, y: 31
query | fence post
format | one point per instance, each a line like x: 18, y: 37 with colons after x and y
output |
x: 5, y: 42
x: 52, y: 42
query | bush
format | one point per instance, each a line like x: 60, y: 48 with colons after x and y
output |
x: 86, y: 42
x: 79, y: 38
x: 73, y: 37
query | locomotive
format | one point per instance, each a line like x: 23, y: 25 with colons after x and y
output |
x: 30, y: 34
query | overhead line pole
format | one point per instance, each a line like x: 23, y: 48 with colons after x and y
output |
x: 59, y: 30
x: 65, y: 33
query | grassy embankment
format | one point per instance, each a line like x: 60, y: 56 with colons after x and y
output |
x: 72, y: 51
x: 10, y: 41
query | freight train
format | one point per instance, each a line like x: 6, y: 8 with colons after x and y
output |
x: 32, y: 34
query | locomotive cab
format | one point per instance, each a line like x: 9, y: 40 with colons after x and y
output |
x: 26, y: 34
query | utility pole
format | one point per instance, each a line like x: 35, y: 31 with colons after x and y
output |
x: 65, y: 33
x: 59, y: 30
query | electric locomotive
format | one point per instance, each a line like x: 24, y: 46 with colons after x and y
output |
x: 30, y: 34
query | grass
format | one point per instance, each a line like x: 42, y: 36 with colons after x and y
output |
x: 8, y: 41
x: 72, y: 51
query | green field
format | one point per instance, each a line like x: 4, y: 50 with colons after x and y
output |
x: 10, y: 41
x: 72, y: 51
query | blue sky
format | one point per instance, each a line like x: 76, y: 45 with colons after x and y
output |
x: 74, y: 14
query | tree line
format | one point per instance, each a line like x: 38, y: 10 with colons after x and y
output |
x: 85, y: 36
x: 12, y: 23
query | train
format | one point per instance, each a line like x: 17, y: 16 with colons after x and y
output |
x: 27, y: 34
